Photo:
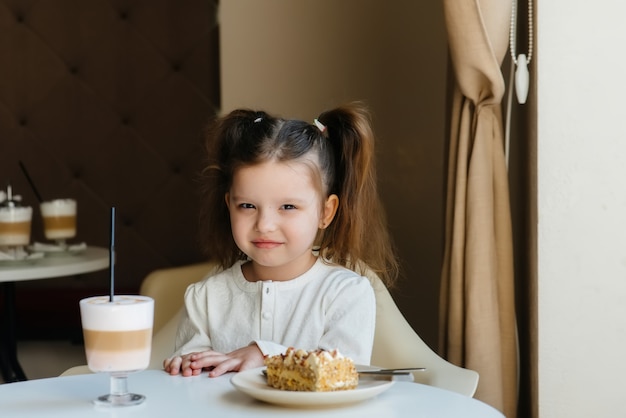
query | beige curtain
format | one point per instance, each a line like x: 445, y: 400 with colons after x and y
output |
x: 477, y: 314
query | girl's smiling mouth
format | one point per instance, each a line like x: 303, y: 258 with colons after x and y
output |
x: 266, y: 244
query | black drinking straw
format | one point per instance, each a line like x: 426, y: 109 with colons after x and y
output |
x: 30, y: 181
x: 112, y: 255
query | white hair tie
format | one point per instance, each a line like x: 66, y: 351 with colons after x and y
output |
x: 320, y: 125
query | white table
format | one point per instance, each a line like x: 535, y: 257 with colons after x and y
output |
x: 201, y: 396
x: 90, y: 260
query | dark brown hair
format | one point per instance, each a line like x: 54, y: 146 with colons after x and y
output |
x: 345, y: 159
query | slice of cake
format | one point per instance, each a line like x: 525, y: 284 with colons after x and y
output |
x: 311, y: 371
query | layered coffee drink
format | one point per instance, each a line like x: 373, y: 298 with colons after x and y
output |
x: 59, y: 219
x: 118, y: 334
x: 15, y: 224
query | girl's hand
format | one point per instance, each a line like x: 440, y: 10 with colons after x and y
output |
x: 181, y: 364
x: 241, y: 359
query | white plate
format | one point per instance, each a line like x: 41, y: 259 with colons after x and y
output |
x: 253, y: 383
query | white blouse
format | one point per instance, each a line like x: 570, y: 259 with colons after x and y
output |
x: 328, y: 307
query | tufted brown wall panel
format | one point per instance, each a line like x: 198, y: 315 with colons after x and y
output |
x: 105, y: 101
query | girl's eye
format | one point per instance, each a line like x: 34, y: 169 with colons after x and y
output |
x: 246, y: 206
x: 289, y: 207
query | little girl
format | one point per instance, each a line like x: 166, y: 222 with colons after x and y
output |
x: 292, y: 215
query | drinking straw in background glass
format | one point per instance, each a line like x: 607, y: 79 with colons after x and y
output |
x: 112, y: 255
x: 30, y: 181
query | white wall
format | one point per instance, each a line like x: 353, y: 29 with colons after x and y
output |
x: 581, y: 136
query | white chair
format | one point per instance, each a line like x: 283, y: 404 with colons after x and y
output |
x: 167, y: 288
x: 396, y: 344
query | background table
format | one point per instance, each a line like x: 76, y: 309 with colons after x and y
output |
x: 177, y: 396
x: 90, y: 260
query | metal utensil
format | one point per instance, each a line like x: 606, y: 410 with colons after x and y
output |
x: 393, y: 372
x: 383, y: 372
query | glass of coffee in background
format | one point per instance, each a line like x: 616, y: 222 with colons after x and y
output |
x: 15, y: 224
x: 118, y: 341
x: 59, y: 220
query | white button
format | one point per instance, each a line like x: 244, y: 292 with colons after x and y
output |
x: 267, y: 315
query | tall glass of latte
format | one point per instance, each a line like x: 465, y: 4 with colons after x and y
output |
x: 59, y: 219
x: 118, y: 339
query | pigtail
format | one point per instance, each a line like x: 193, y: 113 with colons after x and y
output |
x: 359, y: 233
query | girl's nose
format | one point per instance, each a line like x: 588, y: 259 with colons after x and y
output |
x: 266, y: 221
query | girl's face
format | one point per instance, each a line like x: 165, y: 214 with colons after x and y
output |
x: 275, y: 213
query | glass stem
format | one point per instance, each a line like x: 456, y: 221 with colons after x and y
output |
x: 119, y: 385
